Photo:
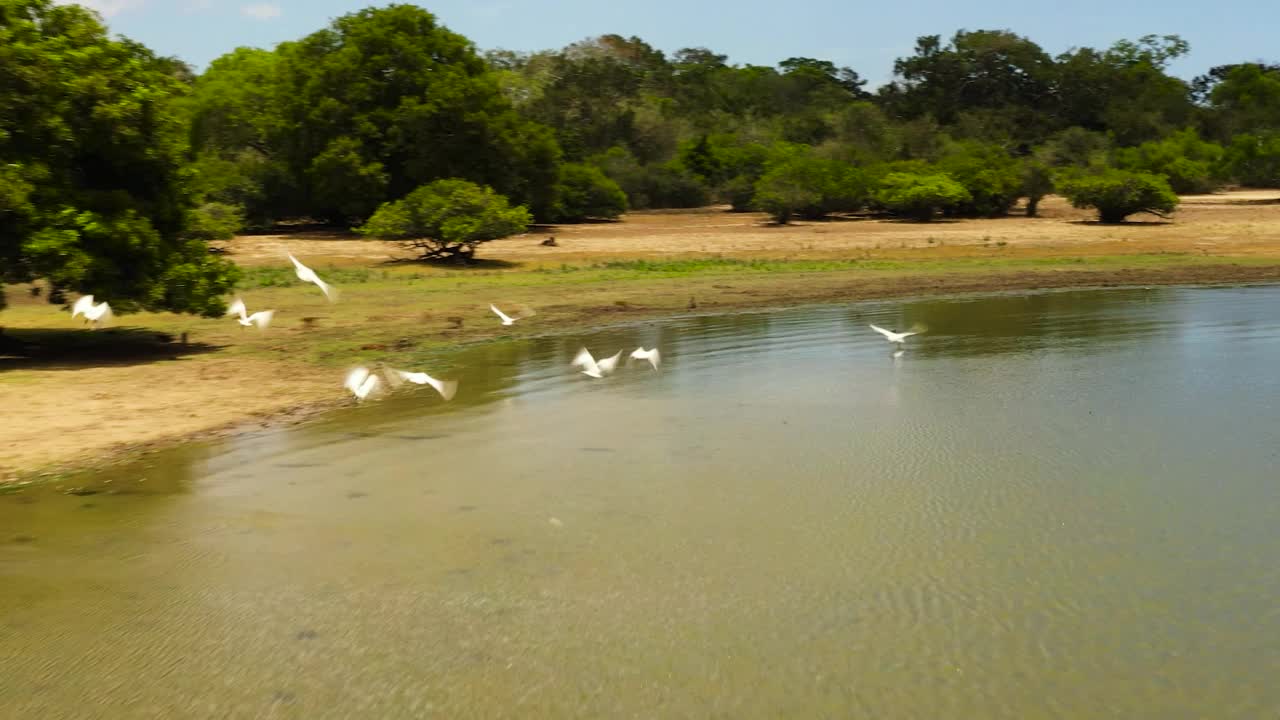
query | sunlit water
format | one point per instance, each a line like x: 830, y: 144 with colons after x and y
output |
x: 1059, y: 505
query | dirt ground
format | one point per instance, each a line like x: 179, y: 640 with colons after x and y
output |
x: 1234, y: 223
x: 65, y: 410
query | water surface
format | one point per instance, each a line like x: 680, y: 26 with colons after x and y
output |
x: 1056, y: 505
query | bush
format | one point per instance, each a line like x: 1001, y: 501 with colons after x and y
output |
x: 992, y: 178
x: 740, y: 191
x: 1188, y: 162
x: 1253, y: 160
x: 586, y: 193
x: 810, y: 187
x: 1036, y: 182
x: 1117, y: 194
x: 652, y: 186
x: 447, y: 218
x: 919, y: 196
x: 214, y: 221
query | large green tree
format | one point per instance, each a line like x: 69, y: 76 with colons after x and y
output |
x: 378, y: 103
x: 94, y: 193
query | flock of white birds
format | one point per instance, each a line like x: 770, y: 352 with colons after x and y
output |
x: 363, y: 383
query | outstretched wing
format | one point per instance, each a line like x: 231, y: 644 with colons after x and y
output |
x: 609, y: 363
x: 584, y: 360
x: 82, y: 305
x: 262, y: 318
x: 237, y: 308
x: 506, y: 320
x: 355, y: 379
x: 446, y: 388
x: 882, y: 331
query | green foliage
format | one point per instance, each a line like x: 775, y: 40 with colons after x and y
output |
x: 93, y: 189
x: 1036, y: 182
x: 378, y: 103
x: 666, y: 185
x: 1075, y: 147
x: 919, y: 196
x: 1117, y: 194
x: 214, y: 221
x: 1253, y: 160
x: 1248, y: 98
x: 587, y: 193
x: 810, y: 187
x: 1188, y: 162
x: 345, y: 185
x: 990, y: 176
x: 447, y: 218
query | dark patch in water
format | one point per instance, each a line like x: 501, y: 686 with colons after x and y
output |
x: 283, y: 696
x: 356, y: 494
x: 459, y: 571
x: 88, y: 506
x: 598, y: 449
x: 307, y: 634
x: 419, y: 437
x: 24, y: 539
x: 83, y: 492
x: 500, y: 541
x: 466, y: 508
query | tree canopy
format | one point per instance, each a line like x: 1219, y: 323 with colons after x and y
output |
x: 94, y: 187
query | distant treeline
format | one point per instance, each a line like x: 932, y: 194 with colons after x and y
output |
x: 101, y: 138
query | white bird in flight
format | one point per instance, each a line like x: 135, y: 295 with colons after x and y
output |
x: 261, y: 318
x: 446, y: 388
x: 507, y: 319
x: 361, y: 383
x: 306, y: 274
x: 95, y: 315
x: 894, y: 337
x: 595, y: 369
x: 653, y: 356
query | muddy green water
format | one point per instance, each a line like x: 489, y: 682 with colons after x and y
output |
x: 1058, y: 505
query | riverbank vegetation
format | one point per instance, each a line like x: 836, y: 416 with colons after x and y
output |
x: 119, y: 165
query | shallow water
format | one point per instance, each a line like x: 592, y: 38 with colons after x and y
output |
x: 1056, y: 505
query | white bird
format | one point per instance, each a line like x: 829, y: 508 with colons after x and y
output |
x: 893, y: 337
x: 361, y: 383
x: 95, y: 315
x: 446, y: 388
x: 306, y: 274
x: 261, y: 318
x: 653, y: 356
x: 595, y: 369
x: 525, y: 312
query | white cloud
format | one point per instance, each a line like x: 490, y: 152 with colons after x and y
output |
x: 262, y: 11
x: 106, y: 8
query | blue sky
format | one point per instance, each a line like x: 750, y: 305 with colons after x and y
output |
x: 863, y: 35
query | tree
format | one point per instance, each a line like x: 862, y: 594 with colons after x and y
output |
x: 447, y: 218
x: 919, y: 196
x: 94, y: 197
x: 587, y: 193
x: 1253, y: 160
x: 1189, y: 163
x: 214, y: 221
x: 1037, y: 181
x: 810, y: 187
x: 1117, y: 194
x: 991, y: 177
x: 1248, y: 98
x: 378, y: 103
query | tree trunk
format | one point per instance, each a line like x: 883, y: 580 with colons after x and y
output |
x: 1033, y: 205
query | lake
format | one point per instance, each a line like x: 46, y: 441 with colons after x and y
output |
x: 1051, y: 505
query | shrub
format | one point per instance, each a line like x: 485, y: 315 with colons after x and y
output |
x: 586, y: 193
x: 1183, y: 158
x: 1253, y: 160
x: 810, y: 187
x: 447, y: 218
x: 1117, y: 194
x: 214, y: 221
x: 919, y: 196
x: 988, y: 173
